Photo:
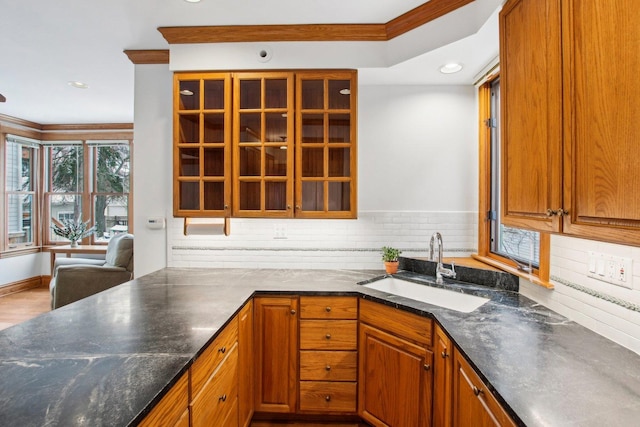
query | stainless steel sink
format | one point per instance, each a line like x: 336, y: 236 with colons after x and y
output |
x: 431, y: 295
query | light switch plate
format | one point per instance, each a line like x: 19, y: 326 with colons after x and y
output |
x: 611, y: 269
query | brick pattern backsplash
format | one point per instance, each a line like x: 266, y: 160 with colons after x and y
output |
x: 607, y: 309
x: 320, y: 244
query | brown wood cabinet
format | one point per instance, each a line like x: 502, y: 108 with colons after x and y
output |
x: 328, y: 354
x: 214, y: 381
x: 202, y: 144
x: 473, y: 403
x: 276, y: 353
x: 395, y: 367
x: 569, y: 132
x: 245, y: 365
x: 239, y: 138
x: 442, y: 377
x: 171, y: 410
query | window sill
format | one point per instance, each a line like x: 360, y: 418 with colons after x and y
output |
x: 509, y: 269
x: 20, y: 251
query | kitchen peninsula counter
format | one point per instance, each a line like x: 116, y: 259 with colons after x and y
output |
x: 108, y: 359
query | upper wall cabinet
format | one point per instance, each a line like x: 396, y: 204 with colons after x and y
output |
x: 570, y: 117
x: 202, y: 144
x: 265, y: 144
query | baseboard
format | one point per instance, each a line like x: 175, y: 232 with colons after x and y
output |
x: 23, y: 285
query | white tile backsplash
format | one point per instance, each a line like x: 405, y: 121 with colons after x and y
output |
x: 319, y: 244
x: 607, y: 309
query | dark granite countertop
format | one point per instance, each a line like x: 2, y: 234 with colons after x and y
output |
x: 107, y: 359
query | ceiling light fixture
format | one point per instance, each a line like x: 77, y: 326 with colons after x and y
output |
x: 452, y: 67
x: 78, y: 85
x: 192, y: 1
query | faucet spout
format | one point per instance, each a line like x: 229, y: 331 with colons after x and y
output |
x: 440, y: 270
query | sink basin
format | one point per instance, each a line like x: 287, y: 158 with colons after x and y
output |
x: 435, y: 296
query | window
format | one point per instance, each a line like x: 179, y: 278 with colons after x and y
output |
x: 20, y: 193
x: 88, y: 180
x: 521, y: 251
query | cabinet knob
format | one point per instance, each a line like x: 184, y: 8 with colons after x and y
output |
x: 477, y: 391
x: 328, y: 336
x: 222, y: 350
x: 226, y: 206
x: 562, y: 212
x: 444, y: 354
x: 327, y: 398
x: 293, y: 311
x: 327, y: 368
x: 328, y: 309
x: 550, y: 212
x: 427, y: 367
x: 298, y: 207
x: 222, y: 398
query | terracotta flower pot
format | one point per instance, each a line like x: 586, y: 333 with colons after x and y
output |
x: 391, y: 267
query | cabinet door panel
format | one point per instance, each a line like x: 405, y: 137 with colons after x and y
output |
x: 531, y: 113
x: 601, y: 120
x: 276, y: 347
x: 245, y: 363
x: 395, y: 380
x: 328, y: 334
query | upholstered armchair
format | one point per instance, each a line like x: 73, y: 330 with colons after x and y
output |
x: 71, y: 282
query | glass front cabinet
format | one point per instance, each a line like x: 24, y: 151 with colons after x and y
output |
x: 265, y: 144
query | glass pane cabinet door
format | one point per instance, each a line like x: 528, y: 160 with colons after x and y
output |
x: 263, y: 144
x: 326, y: 145
x: 202, y: 144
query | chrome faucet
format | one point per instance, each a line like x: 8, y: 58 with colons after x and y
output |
x: 440, y: 270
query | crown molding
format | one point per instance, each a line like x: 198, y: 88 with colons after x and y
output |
x: 148, y: 56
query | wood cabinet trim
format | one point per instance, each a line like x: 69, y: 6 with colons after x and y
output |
x: 171, y: 407
x: 402, y: 24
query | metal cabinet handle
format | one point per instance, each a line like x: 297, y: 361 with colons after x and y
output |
x: 427, y: 367
x: 293, y: 311
x: 477, y: 391
x: 328, y: 336
x: 327, y: 368
x: 222, y: 398
x: 444, y: 354
x: 327, y: 398
x: 328, y: 309
x: 222, y: 350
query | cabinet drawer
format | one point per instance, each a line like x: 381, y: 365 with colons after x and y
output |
x: 208, y: 361
x: 401, y: 323
x: 219, y: 395
x: 323, y: 396
x: 328, y: 365
x: 328, y: 334
x: 329, y: 308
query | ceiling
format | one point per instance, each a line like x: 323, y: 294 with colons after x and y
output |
x: 46, y: 44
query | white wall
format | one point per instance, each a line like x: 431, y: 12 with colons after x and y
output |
x: 19, y: 268
x: 417, y: 173
x: 152, y: 164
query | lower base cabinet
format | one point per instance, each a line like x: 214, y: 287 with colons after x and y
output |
x: 171, y: 410
x: 473, y: 403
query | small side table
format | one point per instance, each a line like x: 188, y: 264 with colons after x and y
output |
x: 80, y: 249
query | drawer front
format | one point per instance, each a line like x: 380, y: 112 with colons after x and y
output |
x: 401, y: 323
x: 322, y: 396
x: 172, y: 406
x: 329, y: 308
x: 208, y: 361
x: 328, y: 334
x: 328, y: 365
x: 219, y: 395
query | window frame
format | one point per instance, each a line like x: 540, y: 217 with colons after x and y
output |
x: 540, y: 275
x: 34, y: 192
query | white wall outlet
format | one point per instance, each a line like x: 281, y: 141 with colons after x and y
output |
x: 611, y: 269
x: 279, y: 231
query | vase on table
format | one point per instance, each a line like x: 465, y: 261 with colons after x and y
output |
x: 74, y: 243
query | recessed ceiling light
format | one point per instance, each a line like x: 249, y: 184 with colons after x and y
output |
x: 192, y: 1
x: 345, y: 91
x: 78, y: 85
x: 186, y: 92
x: 450, y: 68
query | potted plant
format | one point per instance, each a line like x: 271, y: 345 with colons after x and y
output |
x: 72, y: 230
x: 390, y: 258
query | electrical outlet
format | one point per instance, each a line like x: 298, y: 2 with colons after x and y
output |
x: 611, y: 269
x: 279, y: 231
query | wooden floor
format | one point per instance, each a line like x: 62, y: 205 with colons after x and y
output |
x: 21, y: 306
